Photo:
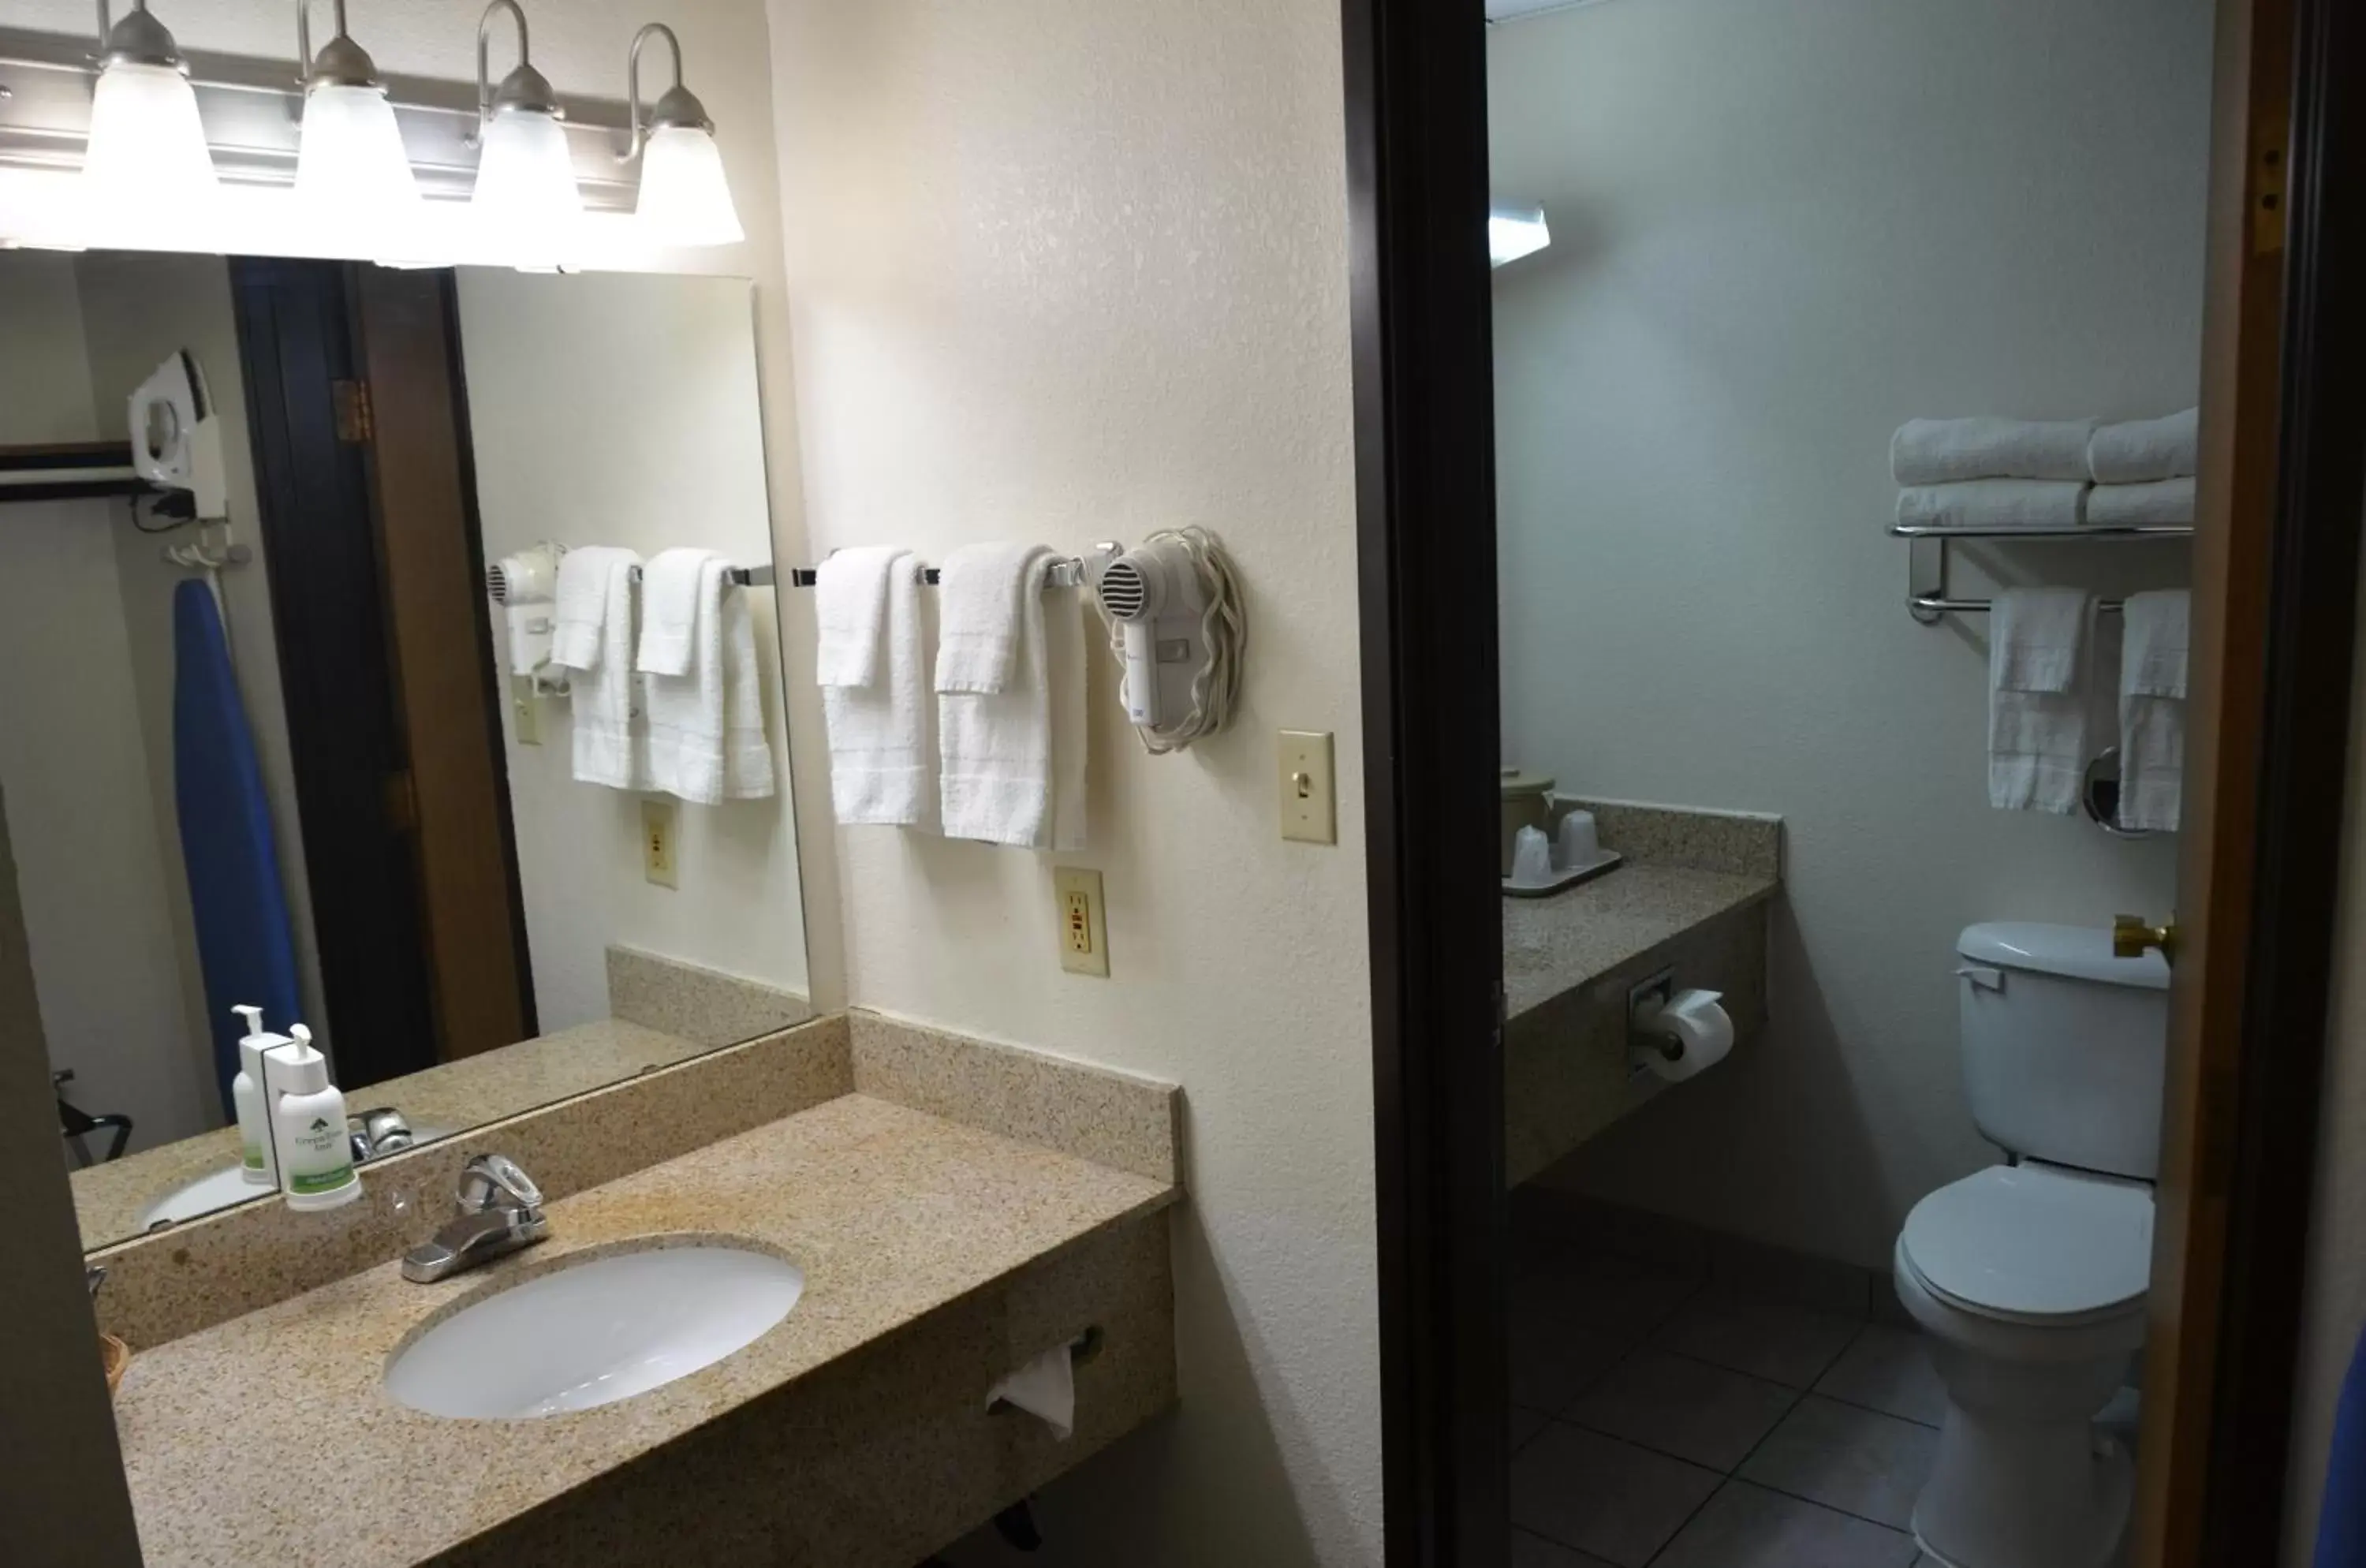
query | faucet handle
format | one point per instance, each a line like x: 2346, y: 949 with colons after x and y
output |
x: 489, y: 1179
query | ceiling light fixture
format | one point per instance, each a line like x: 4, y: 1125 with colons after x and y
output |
x: 685, y: 198
x: 146, y: 167
x: 351, y: 171
x: 525, y: 199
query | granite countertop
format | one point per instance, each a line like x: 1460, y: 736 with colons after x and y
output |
x: 271, y: 1437
x: 1555, y: 944
x: 454, y: 1096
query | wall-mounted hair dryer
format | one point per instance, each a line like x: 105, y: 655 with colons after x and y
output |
x: 176, y: 441
x: 525, y: 585
x: 1178, y: 630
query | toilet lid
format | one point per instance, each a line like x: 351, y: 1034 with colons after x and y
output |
x: 2034, y: 1240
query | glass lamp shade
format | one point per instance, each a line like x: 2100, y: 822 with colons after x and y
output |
x: 525, y: 203
x: 352, y: 175
x: 685, y: 199
x: 146, y: 166
x: 1514, y: 232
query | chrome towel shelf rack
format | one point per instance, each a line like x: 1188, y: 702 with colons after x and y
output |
x: 1927, y: 599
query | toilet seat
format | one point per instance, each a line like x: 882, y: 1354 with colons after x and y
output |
x: 2034, y: 1243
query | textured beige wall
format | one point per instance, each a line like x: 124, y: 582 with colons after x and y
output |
x: 1073, y: 269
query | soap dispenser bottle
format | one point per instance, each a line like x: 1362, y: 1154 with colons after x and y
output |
x: 308, y: 1122
x: 247, y: 1099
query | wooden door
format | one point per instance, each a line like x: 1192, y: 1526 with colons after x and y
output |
x: 455, y: 790
x: 2275, y: 584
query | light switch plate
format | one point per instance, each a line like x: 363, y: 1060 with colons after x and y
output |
x: 1083, y: 932
x: 1309, y: 811
x: 658, y: 820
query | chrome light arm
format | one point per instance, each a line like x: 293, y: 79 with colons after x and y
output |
x: 677, y: 106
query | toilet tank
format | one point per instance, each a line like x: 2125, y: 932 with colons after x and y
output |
x: 2064, y: 1046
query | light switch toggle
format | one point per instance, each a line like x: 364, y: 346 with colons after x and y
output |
x: 1308, y: 813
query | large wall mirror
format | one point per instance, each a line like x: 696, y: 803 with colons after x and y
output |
x: 270, y: 741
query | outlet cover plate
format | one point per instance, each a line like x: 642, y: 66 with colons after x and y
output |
x: 659, y: 820
x: 1309, y: 811
x: 1083, y: 930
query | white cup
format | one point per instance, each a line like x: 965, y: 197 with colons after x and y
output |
x: 1580, y: 845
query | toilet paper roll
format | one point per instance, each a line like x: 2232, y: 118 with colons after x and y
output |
x: 1691, y: 1034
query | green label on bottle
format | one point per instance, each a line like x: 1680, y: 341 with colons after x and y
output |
x: 254, y: 1155
x: 325, y: 1181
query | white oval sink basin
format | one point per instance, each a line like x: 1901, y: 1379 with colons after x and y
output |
x: 596, y: 1333
x: 220, y: 1188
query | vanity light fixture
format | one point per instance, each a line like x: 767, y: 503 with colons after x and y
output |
x: 525, y: 198
x: 146, y: 164
x: 1514, y: 230
x: 351, y: 172
x: 685, y: 198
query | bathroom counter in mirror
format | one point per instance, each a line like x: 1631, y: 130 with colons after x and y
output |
x: 110, y: 1198
x: 937, y: 1257
x: 1691, y: 898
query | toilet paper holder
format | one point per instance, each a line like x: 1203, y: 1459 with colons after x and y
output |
x: 1644, y: 998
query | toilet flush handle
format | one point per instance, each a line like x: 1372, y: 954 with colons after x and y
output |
x: 1982, y: 975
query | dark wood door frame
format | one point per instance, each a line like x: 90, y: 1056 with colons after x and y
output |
x: 1417, y: 190
x: 1416, y: 112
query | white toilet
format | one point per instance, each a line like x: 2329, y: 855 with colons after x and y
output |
x: 2031, y: 1276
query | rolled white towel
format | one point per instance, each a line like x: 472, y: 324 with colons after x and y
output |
x: 1995, y: 504
x: 1940, y: 451
x: 2159, y: 500
x: 2137, y: 450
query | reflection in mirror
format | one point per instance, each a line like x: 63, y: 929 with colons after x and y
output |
x: 270, y: 743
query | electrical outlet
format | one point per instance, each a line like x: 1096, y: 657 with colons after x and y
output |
x: 1084, y: 934
x: 526, y: 708
x: 657, y: 842
x: 1310, y: 812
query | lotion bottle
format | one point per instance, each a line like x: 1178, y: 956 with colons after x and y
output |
x: 246, y: 1098
x: 308, y: 1120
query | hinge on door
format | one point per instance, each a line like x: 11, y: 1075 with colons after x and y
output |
x: 2270, y: 151
x: 353, y: 401
x: 401, y: 802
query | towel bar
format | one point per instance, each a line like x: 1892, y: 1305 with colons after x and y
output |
x: 1927, y: 599
x: 743, y: 576
x: 1069, y: 572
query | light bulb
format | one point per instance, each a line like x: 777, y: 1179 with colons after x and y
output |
x: 352, y: 176
x: 525, y: 203
x: 1515, y: 232
x: 146, y: 171
x: 685, y: 199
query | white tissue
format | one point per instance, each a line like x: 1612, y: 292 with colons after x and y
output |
x: 1703, y: 1032
x: 1046, y: 1387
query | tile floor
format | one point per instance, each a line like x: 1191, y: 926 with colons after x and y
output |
x: 1667, y: 1415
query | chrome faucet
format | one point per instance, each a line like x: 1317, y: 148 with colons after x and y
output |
x: 382, y: 1131
x: 501, y: 1211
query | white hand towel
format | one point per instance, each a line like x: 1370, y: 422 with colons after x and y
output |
x: 706, y: 740
x: 1013, y: 761
x: 1044, y: 1387
x: 671, y: 605
x: 594, y: 641
x: 582, y: 612
x: 851, y: 613
x: 877, y: 726
x: 2153, y: 668
x: 979, y: 615
x: 1995, y: 504
x: 1938, y: 451
x: 2155, y: 501
x: 2037, y: 713
x: 2141, y: 449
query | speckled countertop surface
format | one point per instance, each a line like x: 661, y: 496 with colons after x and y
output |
x: 271, y: 1438
x: 450, y: 1096
x: 1555, y: 944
